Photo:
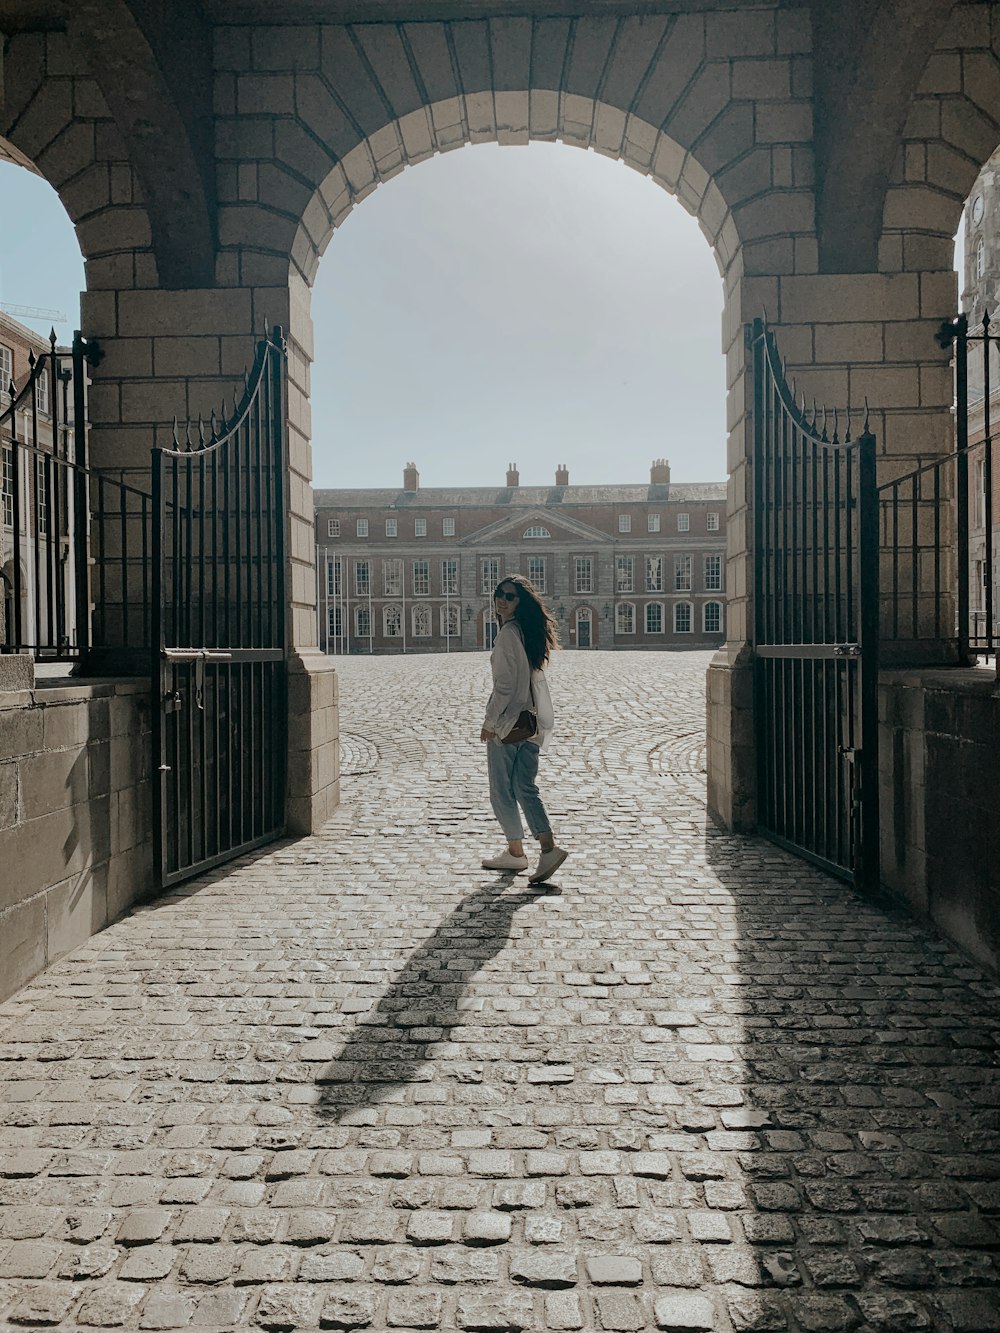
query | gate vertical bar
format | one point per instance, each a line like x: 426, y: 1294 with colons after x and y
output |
x: 867, y: 854
x: 962, y: 482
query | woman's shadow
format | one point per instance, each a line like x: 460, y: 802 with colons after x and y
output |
x: 394, y: 1044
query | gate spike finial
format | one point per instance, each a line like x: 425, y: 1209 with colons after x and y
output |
x: 836, y: 425
x: 986, y: 321
x: 187, y: 434
x: 201, y: 432
x: 847, y: 431
x: 215, y: 432
x: 865, y: 427
x: 52, y: 337
x: 177, y: 443
x: 31, y: 359
x: 823, y: 435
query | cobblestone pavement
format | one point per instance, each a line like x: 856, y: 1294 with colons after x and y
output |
x: 357, y: 1082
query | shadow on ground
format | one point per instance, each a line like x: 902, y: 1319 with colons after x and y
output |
x: 394, y: 1044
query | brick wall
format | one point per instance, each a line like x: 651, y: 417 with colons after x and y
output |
x: 75, y: 810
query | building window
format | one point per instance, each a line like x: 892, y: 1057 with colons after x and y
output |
x: 333, y: 527
x: 682, y: 573
x: 449, y: 578
x: 654, y: 573
x: 624, y: 573
x: 712, y: 520
x: 362, y: 527
x: 42, y: 496
x: 624, y: 618
x: 624, y: 522
x: 450, y: 627
x: 713, y: 573
x: 420, y: 527
x: 682, y: 617
x: 583, y: 580
x: 392, y: 622
x: 362, y: 578
x: 363, y: 622
x: 391, y: 527
x: 447, y: 527
x: 712, y: 617
x: 335, y: 623
x: 683, y: 522
x: 42, y: 392
x: 490, y: 574
x: 6, y: 368
x: 392, y: 578
x: 334, y: 578
x: 654, y: 618
x: 980, y: 258
x: 652, y: 522
x: 537, y: 532
x: 536, y: 571
x: 8, y: 486
x: 979, y: 494
x: 421, y: 622
x: 422, y: 579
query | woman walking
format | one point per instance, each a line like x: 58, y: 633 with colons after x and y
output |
x: 526, y: 636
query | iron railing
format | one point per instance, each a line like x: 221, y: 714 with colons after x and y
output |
x: 75, y: 543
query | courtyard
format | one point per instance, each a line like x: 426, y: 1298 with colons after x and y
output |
x: 358, y: 1082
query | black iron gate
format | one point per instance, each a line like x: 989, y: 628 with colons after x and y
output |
x: 816, y: 627
x: 219, y: 668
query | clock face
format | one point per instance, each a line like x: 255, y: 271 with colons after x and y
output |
x: 977, y: 209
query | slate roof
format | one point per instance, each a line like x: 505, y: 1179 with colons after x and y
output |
x: 519, y: 497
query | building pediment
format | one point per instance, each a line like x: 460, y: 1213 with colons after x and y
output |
x: 512, y: 527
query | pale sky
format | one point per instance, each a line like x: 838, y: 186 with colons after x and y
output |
x: 533, y: 305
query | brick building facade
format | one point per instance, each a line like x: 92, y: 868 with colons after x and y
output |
x: 621, y: 566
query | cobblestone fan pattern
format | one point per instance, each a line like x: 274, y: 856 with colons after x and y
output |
x: 358, y: 1083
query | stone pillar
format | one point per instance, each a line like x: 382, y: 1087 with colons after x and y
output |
x: 847, y: 339
x: 182, y: 354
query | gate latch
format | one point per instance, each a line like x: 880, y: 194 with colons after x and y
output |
x: 199, y: 656
x: 847, y: 650
x: 172, y: 703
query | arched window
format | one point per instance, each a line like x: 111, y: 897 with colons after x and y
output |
x: 537, y: 532
x: 654, y: 617
x: 363, y: 622
x: 712, y: 618
x: 392, y: 622
x: 450, y: 626
x: 625, y: 618
x: 682, y: 618
x: 421, y: 622
x: 980, y: 258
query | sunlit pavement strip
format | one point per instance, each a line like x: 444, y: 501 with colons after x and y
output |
x: 358, y: 1082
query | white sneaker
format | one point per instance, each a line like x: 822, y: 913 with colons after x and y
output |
x: 506, y: 861
x: 548, y: 863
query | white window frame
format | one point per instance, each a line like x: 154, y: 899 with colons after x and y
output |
x: 362, y: 622
x: 650, y: 608
x: 583, y: 573
x: 489, y: 569
x: 42, y: 392
x: 334, y: 577
x: 392, y: 616
x: 654, y: 573
x: 536, y: 571
x: 6, y: 367
x: 447, y: 527
x: 392, y: 578
x: 717, y: 629
x: 333, y: 527
x: 712, y: 521
x: 362, y: 585
x: 683, y: 522
x: 678, y: 608
x: 421, y: 575
x: 652, y: 522
x: 624, y: 522
x: 537, y: 532
x: 41, y: 497
x: 335, y: 622
x: 455, y: 613
x: 713, y: 571
x: 421, y: 621
x: 420, y: 527
x: 392, y: 527
x: 620, y: 609
x: 624, y: 573
x: 683, y: 573
x: 7, y: 485
x: 362, y: 527
x: 449, y: 578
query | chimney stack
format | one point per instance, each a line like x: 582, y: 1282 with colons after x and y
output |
x: 562, y: 475
x: 513, y: 476
x: 411, y: 477
x: 659, y: 473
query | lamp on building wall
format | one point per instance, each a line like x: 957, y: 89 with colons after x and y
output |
x: 561, y: 612
x: 469, y: 612
x: 606, y: 610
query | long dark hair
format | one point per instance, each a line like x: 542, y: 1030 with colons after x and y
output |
x: 538, y: 628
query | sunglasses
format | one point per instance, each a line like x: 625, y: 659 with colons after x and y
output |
x: 507, y: 596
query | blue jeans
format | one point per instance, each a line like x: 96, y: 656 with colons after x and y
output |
x: 513, y: 771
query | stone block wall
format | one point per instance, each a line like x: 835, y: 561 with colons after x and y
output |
x: 939, y: 761
x: 75, y: 818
